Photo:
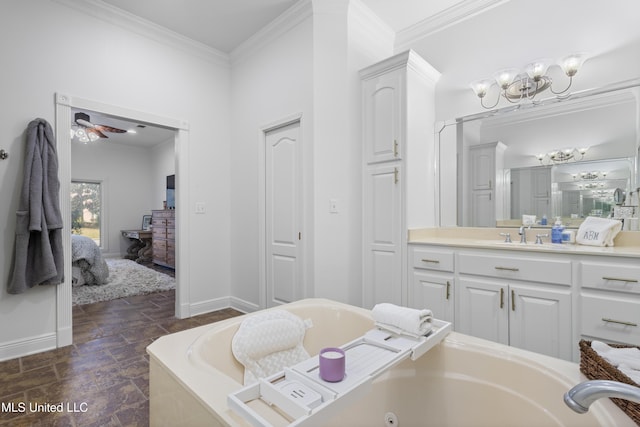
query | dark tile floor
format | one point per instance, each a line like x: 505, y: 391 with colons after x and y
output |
x: 103, y: 378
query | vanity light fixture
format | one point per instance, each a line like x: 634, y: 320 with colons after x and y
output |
x: 561, y: 156
x: 515, y: 86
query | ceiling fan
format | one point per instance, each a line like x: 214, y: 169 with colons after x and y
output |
x: 86, y: 131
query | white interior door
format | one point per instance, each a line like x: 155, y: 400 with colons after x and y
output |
x: 283, y: 215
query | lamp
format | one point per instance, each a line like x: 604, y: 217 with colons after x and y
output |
x: 516, y: 86
x: 561, y: 156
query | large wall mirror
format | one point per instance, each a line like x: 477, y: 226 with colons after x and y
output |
x: 570, y: 157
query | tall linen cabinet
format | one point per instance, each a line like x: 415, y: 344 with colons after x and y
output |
x: 398, y: 96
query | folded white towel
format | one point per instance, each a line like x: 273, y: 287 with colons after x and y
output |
x: 598, y: 231
x: 528, y: 219
x: 628, y: 356
x: 410, y: 320
x: 633, y: 374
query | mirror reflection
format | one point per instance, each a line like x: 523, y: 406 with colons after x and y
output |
x: 563, y: 158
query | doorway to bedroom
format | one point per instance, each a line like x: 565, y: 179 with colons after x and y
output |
x: 122, y: 199
x: 130, y: 155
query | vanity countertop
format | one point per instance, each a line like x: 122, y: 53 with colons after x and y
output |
x: 626, y: 243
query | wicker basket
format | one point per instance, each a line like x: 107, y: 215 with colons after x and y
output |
x: 597, y: 368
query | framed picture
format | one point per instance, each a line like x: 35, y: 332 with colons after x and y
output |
x: 146, y: 222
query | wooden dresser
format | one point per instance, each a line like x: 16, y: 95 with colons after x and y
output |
x: 164, y: 244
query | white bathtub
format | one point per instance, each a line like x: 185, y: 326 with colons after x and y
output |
x: 463, y: 381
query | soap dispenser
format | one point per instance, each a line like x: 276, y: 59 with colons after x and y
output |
x: 556, y: 231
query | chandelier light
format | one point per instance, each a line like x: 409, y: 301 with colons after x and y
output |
x: 561, y: 156
x: 83, y: 134
x: 515, y: 85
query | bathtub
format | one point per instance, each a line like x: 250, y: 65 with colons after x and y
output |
x: 463, y: 381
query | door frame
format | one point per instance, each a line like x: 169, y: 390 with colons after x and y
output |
x: 63, y: 105
x: 262, y: 207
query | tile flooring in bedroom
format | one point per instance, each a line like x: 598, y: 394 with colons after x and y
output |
x: 105, y: 372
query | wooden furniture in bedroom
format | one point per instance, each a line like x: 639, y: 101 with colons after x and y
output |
x: 140, y: 248
x: 163, y: 224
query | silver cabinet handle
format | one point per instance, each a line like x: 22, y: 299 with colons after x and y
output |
x: 507, y: 268
x: 501, y: 297
x: 434, y: 261
x: 619, y: 322
x: 448, y: 289
x: 395, y: 148
x: 620, y: 279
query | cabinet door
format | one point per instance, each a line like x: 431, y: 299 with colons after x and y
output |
x: 541, y: 182
x: 383, y: 117
x: 382, y: 235
x: 483, y: 168
x: 483, y: 310
x: 434, y: 292
x: 483, y: 209
x: 540, y: 320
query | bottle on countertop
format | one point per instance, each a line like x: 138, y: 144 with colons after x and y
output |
x: 543, y: 221
x: 556, y: 231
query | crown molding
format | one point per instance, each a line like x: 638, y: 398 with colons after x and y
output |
x: 130, y: 22
x: 276, y: 28
x: 455, y: 14
x: 379, y: 35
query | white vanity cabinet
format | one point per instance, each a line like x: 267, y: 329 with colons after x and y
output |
x: 610, y: 300
x: 521, y: 301
x: 398, y: 104
x: 431, y: 281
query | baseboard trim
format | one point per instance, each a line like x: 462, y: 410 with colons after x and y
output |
x: 209, y: 306
x: 243, y: 306
x: 25, y: 347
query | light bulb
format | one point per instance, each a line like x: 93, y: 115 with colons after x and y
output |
x: 537, y: 69
x: 505, y: 77
x: 570, y: 64
x: 481, y: 87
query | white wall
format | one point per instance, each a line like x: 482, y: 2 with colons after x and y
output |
x: 273, y: 83
x: 126, y: 174
x: 48, y: 47
x: 163, y: 160
x: 311, y: 69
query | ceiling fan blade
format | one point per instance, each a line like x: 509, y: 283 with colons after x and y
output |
x: 85, y: 123
x: 104, y: 128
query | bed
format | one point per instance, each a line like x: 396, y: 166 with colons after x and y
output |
x: 88, y: 265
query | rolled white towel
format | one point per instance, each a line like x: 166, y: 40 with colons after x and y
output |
x: 633, y: 374
x: 629, y: 356
x: 411, y: 320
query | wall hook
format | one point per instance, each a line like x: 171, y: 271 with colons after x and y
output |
x: 3, y: 155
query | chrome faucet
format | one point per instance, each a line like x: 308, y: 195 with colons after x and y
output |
x: 523, y: 233
x: 580, y: 397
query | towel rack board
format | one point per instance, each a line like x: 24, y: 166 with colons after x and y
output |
x: 298, y: 395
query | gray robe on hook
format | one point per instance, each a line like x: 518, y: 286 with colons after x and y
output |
x: 38, y: 257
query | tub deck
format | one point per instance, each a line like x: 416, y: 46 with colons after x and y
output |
x: 463, y: 381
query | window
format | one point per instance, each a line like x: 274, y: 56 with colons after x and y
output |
x: 86, y: 209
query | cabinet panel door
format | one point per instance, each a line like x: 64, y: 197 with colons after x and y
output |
x: 540, y: 320
x: 433, y: 292
x: 483, y: 310
x: 483, y: 209
x: 382, y: 236
x: 483, y: 168
x: 383, y: 133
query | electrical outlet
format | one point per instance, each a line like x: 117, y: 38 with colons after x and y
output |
x: 200, y: 208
